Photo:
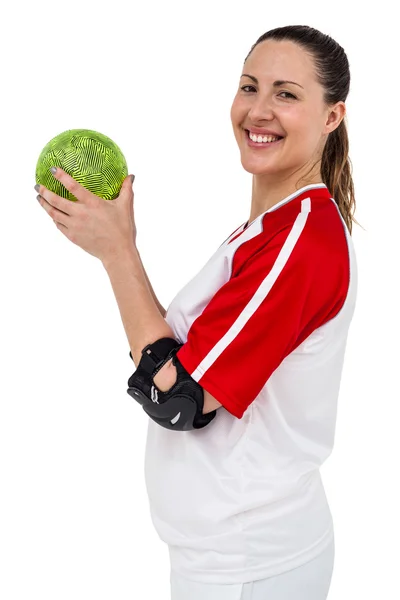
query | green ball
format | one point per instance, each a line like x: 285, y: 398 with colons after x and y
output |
x: 90, y: 157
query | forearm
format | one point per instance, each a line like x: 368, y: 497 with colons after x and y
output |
x: 160, y: 308
x: 141, y: 317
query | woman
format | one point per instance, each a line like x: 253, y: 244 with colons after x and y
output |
x: 264, y: 325
x: 262, y: 328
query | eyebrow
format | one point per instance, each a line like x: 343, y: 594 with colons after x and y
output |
x: 276, y: 83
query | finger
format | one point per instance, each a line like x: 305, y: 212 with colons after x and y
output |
x: 62, y: 204
x: 81, y: 193
x: 59, y: 225
x: 57, y: 215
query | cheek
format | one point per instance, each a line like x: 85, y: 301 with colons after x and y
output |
x: 293, y: 120
x: 236, y: 111
x: 300, y: 127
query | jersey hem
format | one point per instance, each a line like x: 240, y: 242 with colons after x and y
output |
x: 247, y: 575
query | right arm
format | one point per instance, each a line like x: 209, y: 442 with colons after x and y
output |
x: 160, y: 308
x: 167, y: 376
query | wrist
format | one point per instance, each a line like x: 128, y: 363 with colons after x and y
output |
x: 120, y: 256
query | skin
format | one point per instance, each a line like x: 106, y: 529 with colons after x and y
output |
x: 305, y: 121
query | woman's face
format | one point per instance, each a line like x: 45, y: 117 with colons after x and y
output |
x: 294, y: 111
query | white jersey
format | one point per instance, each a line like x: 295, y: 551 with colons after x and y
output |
x: 264, y: 326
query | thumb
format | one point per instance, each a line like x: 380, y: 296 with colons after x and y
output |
x: 126, y: 189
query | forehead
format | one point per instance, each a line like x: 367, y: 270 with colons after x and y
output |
x: 272, y: 59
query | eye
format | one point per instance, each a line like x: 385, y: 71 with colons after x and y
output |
x: 251, y: 86
x: 288, y: 94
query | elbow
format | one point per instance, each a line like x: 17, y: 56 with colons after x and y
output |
x: 210, y: 403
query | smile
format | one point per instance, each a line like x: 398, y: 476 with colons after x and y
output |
x: 260, y: 145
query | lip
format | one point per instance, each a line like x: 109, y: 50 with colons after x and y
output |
x: 260, y: 131
x: 262, y: 145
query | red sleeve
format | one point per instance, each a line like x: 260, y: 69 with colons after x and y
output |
x: 291, y: 286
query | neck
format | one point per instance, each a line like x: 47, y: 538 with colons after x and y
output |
x: 266, y: 194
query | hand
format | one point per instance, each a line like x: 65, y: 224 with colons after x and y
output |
x: 103, y: 228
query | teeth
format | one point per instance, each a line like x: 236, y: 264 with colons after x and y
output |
x: 262, y: 139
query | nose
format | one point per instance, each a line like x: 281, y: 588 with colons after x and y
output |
x: 260, y: 110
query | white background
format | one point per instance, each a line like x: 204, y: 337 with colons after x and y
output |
x: 159, y: 79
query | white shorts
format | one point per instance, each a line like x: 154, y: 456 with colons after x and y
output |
x: 310, y: 581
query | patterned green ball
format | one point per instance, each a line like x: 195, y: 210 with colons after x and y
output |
x: 91, y: 158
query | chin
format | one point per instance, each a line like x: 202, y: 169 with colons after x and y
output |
x: 260, y: 169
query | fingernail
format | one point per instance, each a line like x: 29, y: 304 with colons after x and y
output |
x: 53, y: 170
x: 133, y: 178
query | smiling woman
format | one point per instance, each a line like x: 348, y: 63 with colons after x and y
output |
x: 306, y: 112
x: 262, y: 329
x: 260, y: 333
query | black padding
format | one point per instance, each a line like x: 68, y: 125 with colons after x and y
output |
x: 181, y: 407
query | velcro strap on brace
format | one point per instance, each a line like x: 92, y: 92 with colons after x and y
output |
x: 181, y: 407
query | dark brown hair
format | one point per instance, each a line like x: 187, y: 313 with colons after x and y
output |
x: 333, y: 74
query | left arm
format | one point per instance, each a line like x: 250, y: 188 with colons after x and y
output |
x: 141, y: 318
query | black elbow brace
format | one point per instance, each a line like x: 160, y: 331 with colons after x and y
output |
x: 181, y: 407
